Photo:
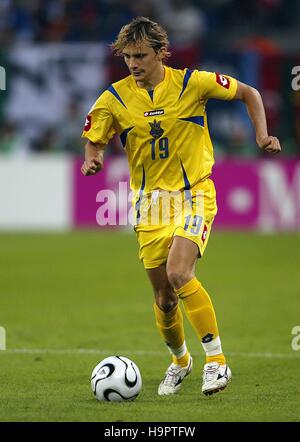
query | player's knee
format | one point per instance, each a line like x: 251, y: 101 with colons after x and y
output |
x: 178, y: 277
x: 166, y: 302
x: 167, y: 306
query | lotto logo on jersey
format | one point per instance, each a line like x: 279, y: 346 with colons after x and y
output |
x: 88, y: 123
x: 222, y: 80
x: 154, y: 113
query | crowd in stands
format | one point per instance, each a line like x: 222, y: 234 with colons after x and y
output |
x: 193, y: 26
x: 94, y: 20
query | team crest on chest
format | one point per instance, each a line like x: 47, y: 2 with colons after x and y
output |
x: 156, y: 131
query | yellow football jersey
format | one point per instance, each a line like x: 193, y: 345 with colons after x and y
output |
x: 164, y: 132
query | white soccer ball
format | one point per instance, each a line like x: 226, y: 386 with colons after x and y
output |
x: 116, y: 378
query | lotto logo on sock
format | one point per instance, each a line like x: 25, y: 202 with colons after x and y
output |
x: 207, y: 338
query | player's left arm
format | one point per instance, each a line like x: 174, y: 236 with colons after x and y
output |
x: 255, y: 107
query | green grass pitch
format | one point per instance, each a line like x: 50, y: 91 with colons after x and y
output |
x: 63, y: 293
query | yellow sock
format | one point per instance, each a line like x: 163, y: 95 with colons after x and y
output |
x: 217, y: 358
x: 201, y: 314
x: 183, y: 362
x: 170, y: 326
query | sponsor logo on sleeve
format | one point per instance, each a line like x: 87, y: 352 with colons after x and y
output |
x: 204, y: 233
x: 222, y: 80
x: 88, y: 123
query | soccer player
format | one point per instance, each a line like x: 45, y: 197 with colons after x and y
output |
x: 159, y: 114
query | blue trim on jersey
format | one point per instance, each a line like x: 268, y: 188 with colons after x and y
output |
x: 123, y: 135
x: 151, y: 94
x: 187, y: 186
x: 197, y: 120
x: 138, y: 203
x: 113, y: 91
x: 186, y: 78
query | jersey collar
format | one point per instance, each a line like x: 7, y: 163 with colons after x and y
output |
x: 158, y: 86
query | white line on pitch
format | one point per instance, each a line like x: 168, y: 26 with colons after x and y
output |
x: 88, y: 351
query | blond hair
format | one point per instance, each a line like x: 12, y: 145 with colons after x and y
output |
x: 142, y: 30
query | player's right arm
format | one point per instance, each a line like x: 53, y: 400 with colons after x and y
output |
x: 93, y: 162
x: 98, y: 129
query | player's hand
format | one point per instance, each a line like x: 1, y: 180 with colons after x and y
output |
x: 91, y: 167
x: 269, y: 144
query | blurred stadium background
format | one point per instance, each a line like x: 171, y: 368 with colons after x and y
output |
x: 56, y: 61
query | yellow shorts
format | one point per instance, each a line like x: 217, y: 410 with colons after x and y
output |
x: 188, y: 213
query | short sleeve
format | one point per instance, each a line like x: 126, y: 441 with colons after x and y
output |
x: 215, y: 85
x: 98, y: 126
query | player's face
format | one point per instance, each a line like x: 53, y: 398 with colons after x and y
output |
x: 142, y: 61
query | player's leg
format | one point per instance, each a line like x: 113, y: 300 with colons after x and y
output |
x: 169, y: 322
x: 199, y: 309
x: 197, y: 303
x: 153, y: 253
x: 168, y: 315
